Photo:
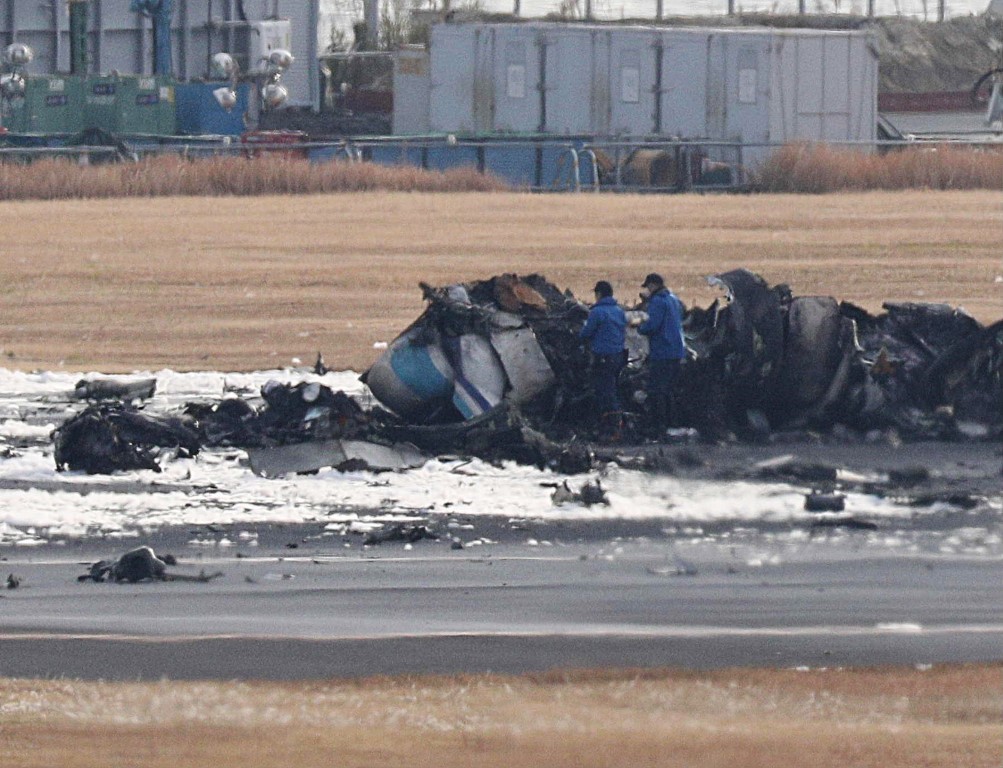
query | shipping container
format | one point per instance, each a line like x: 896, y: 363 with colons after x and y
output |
x: 754, y: 86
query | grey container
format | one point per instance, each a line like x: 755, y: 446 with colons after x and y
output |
x: 755, y: 86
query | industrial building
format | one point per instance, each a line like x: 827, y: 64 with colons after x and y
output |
x: 510, y: 97
x: 156, y: 48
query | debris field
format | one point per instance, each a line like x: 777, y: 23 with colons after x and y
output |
x: 494, y: 369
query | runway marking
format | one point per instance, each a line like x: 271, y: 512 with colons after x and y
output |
x: 603, y: 632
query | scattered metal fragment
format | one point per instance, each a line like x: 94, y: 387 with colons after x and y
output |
x: 906, y: 476
x: 960, y: 500
x: 588, y: 494
x: 138, y: 564
x: 824, y: 502
x: 13, y: 582
x: 115, y: 389
x: 843, y: 521
x: 107, y: 437
x: 346, y: 455
x: 788, y: 468
x: 143, y: 564
x: 399, y: 532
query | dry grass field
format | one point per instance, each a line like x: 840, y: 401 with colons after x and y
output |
x: 254, y: 282
x: 885, y: 718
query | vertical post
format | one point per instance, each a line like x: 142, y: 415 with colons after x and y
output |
x: 588, y: 10
x: 731, y: 7
x: 658, y: 10
x: 11, y: 22
x: 99, y: 37
x: 659, y: 58
x: 185, y: 44
x: 543, y: 85
x: 57, y: 42
x: 208, y: 39
x: 870, y: 9
x: 313, y: 52
x: 371, y: 13
x: 941, y: 9
x: 162, y: 53
x: 78, y: 37
x: 517, y: 8
x: 802, y: 7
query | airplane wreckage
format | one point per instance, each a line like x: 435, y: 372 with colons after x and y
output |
x: 495, y: 369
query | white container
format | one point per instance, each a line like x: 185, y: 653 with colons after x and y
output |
x: 756, y: 86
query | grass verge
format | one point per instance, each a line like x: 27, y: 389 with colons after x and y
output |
x: 60, y: 179
x: 892, y: 718
x: 819, y: 168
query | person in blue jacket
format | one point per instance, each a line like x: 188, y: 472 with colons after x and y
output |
x: 605, y: 330
x: 666, y: 348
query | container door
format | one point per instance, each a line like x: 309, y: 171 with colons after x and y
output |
x: 453, y: 53
x: 684, y: 87
x: 808, y: 95
x: 601, y: 91
x: 412, y: 79
x: 862, y: 71
x: 632, y: 83
x: 567, y: 87
x: 748, y: 88
x: 717, y: 88
x: 517, y: 80
x: 835, y: 82
x: 484, y: 64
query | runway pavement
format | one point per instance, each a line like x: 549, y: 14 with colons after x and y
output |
x: 508, y: 606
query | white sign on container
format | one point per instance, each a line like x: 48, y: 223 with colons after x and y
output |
x: 630, y: 84
x: 516, y: 81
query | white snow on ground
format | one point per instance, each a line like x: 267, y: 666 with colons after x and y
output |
x: 218, y: 487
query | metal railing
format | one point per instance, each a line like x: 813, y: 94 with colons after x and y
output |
x: 544, y: 164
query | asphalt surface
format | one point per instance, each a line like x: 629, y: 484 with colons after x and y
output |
x: 518, y: 601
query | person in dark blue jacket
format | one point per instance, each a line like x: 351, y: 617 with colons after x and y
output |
x: 605, y: 329
x: 666, y: 348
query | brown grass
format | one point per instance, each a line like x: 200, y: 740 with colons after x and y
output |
x: 250, y: 283
x: 817, y: 168
x: 892, y: 718
x: 60, y: 179
x: 813, y: 168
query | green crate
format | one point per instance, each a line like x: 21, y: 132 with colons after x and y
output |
x: 101, y: 97
x: 51, y: 104
x: 130, y: 104
x: 147, y: 106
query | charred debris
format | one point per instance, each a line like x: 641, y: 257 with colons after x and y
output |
x: 495, y: 369
x: 141, y: 564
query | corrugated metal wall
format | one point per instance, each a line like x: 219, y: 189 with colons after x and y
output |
x: 122, y: 40
x: 748, y: 85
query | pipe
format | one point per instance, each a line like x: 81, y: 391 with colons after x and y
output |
x: 161, y: 13
x: 79, y: 18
